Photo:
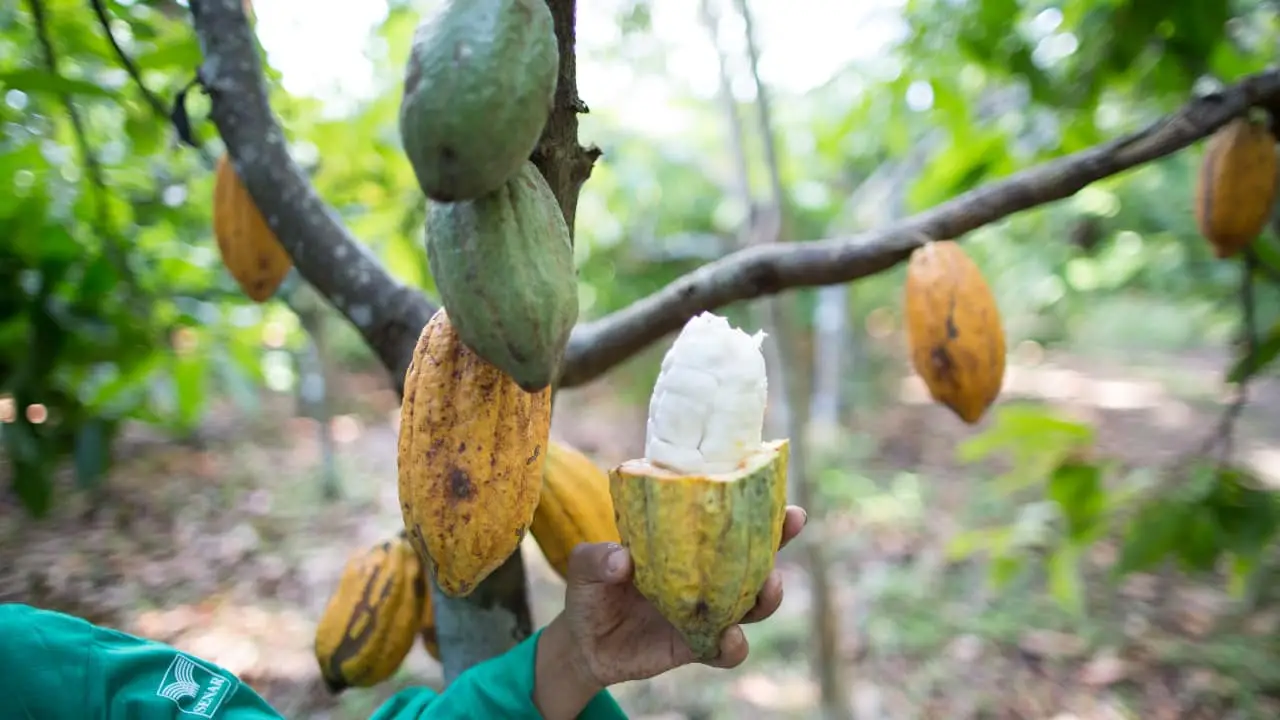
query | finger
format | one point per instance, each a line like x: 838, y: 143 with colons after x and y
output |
x: 768, y: 601
x: 792, y: 523
x: 733, y: 649
x: 592, y: 563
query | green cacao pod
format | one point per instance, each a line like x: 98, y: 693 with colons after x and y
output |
x: 478, y: 89
x: 503, y: 264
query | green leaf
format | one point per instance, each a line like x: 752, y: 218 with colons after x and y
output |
x: 1065, y: 583
x: 1150, y: 537
x: 190, y: 377
x: 1077, y: 489
x: 1004, y: 570
x: 1199, y: 542
x: 1252, y: 363
x: 35, y: 80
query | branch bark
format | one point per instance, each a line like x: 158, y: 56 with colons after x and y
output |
x: 388, y: 315
x: 597, y: 346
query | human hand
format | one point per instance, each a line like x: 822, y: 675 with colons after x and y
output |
x: 610, y: 633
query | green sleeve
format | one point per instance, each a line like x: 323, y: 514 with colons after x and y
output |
x: 500, y: 687
x: 54, y: 666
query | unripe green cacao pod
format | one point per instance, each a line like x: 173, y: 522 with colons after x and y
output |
x: 504, y: 267
x: 478, y: 89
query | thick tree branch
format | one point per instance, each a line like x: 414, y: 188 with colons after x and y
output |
x: 388, y: 315
x: 597, y: 346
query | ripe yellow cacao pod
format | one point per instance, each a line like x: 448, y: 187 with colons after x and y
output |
x: 954, y: 331
x: 1236, y: 186
x: 250, y: 250
x: 427, y: 628
x: 574, y: 508
x: 371, y: 620
x: 470, y: 454
x: 702, y: 513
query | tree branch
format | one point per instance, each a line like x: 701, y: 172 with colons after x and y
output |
x: 597, y: 346
x: 157, y: 105
x: 388, y: 315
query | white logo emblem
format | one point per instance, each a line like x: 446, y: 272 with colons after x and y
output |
x: 195, y: 688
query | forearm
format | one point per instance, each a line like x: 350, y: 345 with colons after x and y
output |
x: 563, y: 686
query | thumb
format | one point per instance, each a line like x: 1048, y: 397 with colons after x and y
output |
x: 599, y: 563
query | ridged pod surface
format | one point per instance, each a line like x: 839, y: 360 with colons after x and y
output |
x: 574, y: 508
x: 478, y: 89
x: 954, y: 331
x: 250, y: 250
x: 702, y: 545
x: 372, y: 618
x: 1236, y: 186
x: 471, y: 449
x: 504, y: 267
x: 702, y: 513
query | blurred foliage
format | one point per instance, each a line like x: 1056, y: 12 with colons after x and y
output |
x: 114, y: 305
x: 1197, y: 514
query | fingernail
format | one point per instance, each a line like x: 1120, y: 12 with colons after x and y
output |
x: 804, y: 517
x: 615, y: 562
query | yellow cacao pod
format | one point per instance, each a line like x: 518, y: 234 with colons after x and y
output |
x: 574, y: 508
x: 1236, y: 186
x: 250, y: 250
x: 702, y: 512
x: 703, y: 545
x: 954, y: 331
x: 427, y: 627
x: 369, y: 625
x: 470, y: 454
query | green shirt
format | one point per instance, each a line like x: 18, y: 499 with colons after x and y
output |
x: 55, y: 666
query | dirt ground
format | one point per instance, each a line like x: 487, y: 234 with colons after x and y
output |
x: 225, y: 548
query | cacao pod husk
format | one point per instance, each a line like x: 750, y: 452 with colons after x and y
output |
x: 427, y: 628
x: 370, y: 622
x: 504, y: 267
x: 702, y: 545
x: 575, y: 506
x: 478, y: 89
x: 954, y: 331
x: 1236, y: 185
x: 250, y: 250
x: 470, y: 454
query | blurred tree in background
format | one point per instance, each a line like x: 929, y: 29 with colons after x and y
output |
x: 114, y: 306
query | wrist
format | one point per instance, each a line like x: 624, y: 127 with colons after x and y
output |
x: 563, y: 682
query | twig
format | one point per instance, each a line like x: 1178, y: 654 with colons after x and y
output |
x: 157, y: 105
x: 599, y: 345
x: 1271, y: 273
x: 112, y: 244
x: 1223, y: 437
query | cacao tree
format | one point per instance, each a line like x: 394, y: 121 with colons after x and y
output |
x: 65, y: 281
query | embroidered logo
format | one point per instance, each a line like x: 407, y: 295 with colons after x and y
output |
x: 195, y: 688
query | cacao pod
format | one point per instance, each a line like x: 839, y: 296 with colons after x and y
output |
x: 250, y: 250
x: 954, y: 331
x: 427, y: 629
x: 478, y: 89
x: 702, y: 514
x: 371, y: 620
x: 574, y: 508
x: 470, y: 454
x: 504, y: 267
x: 1236, y: 186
